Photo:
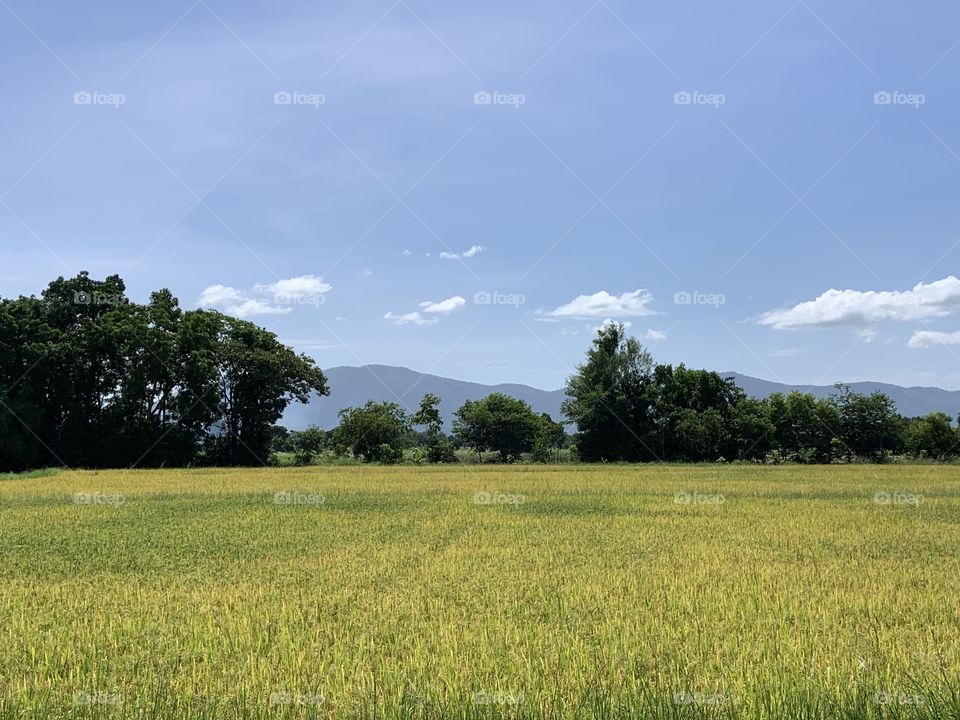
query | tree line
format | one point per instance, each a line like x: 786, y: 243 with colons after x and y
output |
x: 90, y: 379
x: 622, y: 407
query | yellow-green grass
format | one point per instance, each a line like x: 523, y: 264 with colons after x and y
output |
x: 608, y: 592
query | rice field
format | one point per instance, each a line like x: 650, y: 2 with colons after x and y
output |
x: 482, y: 592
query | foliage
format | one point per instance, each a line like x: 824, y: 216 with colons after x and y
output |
x: 89, y: 378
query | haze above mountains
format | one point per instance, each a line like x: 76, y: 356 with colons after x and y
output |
x: 352, y: 386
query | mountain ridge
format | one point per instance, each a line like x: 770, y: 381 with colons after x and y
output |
x: 352, y: 385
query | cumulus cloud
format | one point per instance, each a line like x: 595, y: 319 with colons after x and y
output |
x: 410, y: 318
x: 273, y: 299
x: 603, y: 304
x: 930, y: 338
x: 854, y: 307
x: 469, y: 253
x: 234, y: 302
x: 302, y: 287
x: 444, y: 307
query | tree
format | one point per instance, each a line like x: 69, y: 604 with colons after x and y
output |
x: 751, y: 431
x: 608, y: 399
x: 932, y: 436
x: 498, y: 422
x: 439, y: 449
x: 91, y: 379
x: 307, y: 444
x: 376, y: 432
x: 870, y: 427
x: 550, y: 437
x: 258, y: 378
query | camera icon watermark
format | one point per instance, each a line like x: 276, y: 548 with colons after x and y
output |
x: 495, y: 297
x: 697, y: 698
x: 495, y: 97
x: 895, y: 97
x: 311, y: 299
x: 285, y: 497
x: 882, y: 497
x: 83, y: 697
x: 686, y: 297
x: 496, y: 498
x: 497, y: 698
x: 295, y: 97
x: 683, y: 497
x: 95, y: 97
x: 99, y: 498
x: 695, y: 97
x: 81, y: 297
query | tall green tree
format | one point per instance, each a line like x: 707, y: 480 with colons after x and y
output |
x: 608, y: 399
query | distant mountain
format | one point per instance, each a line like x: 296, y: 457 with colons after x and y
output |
x: 352, y: 386
x: 910, y: 401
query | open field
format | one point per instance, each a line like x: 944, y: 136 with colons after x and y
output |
x: 558, y: 592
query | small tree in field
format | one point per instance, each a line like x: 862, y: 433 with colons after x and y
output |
x: 438, y: 446
x: 498, y: 422
x: 376, y: 432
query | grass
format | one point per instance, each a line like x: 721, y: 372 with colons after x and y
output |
x: 574, y: 592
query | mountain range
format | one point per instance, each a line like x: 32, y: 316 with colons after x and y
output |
x: 353, y: 386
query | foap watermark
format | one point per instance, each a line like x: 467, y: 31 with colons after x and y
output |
x: 698, y: 698
x: 894, y: 697
x: 485, y: 297
x: 311, y: 299
x: 95, y: 97
x: 895, y: 97
x: 495, y: 97
x: 98, y: 498
x: 882, y: 497
x: 485, y: 697
x: 285, y: 497
x: 682, y: 497
x: 81, y: 297
x: 284, y: 697
x: 695, y: 97
x: 295, y: 97
x: 497, y: 498
x: 98, y: 697
x: 686, y: 297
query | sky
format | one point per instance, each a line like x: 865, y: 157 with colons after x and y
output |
x: 472, y: 189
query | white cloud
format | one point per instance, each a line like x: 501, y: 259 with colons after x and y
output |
x: 853, y: 307
x: 303, y: 286
x: 444, y: 307
x: 469, y: 253
x: 274, y: 299
x: 655, y: 335
x: 218, y: 296
x: 603, y: 304
x: 866, y: 335
x: 930, y: 338
x: 232, y: 302
x: 407, y: 253
x: 410, y: 318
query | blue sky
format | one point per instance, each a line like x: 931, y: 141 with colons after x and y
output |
x: 469, y: 190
